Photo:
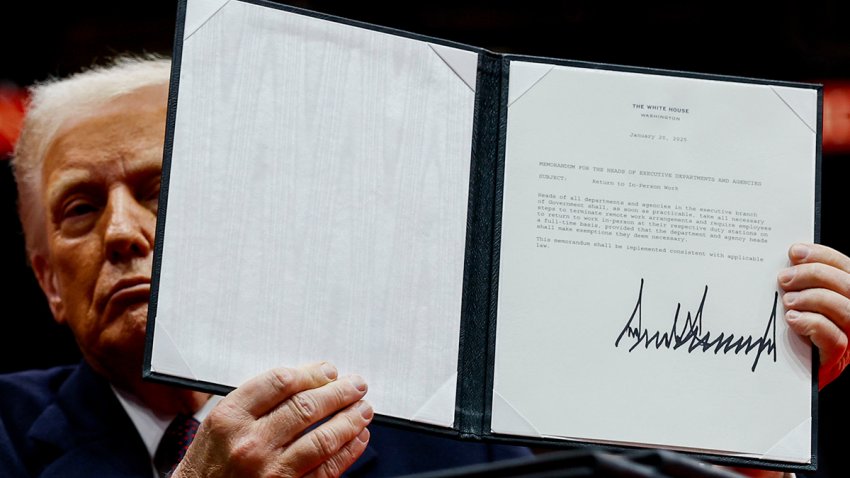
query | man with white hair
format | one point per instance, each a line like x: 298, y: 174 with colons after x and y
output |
x: 88, y: 167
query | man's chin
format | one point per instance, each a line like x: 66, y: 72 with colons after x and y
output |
x: 122, y: 341
x: 137, y: 311
x: 128, y: 314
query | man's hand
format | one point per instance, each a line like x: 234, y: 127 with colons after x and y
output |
x: 261, y: 428
x: 817, y: 300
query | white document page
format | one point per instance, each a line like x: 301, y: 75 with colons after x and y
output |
x: 316, y: 206
x: 645, y: 220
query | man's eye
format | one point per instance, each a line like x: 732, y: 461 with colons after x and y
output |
x: 152, y: 197
x: 154, y: 194
x: 77, y: 209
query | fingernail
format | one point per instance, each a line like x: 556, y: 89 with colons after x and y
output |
x: 358, y: 382
x: 363, y: 437
x: 799, y: 252
x: 790, y: 297
x: 365, y: 410
x: 785, y: 275
x: 792, y: 315
x: 329, y: 371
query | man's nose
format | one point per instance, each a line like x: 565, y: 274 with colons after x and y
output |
x: 129, y: 227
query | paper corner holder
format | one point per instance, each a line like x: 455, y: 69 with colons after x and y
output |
x: 795, y: 446
x: 169, y: 359
x: 511, y: 420
x: 199, y: 13
x: 801, y: 102
x: 523, y: 79
x: 439, y: 408
x: 463, y: 63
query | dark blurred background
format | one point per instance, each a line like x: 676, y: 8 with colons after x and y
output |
x: 781, y: 40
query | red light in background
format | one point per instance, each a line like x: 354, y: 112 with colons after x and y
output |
x: 836, y: 117
x: 12, y: 100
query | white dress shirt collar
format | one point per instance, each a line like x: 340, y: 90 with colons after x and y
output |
x: 150, y: 425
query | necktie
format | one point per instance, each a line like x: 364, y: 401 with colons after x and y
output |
x: 174, y: 443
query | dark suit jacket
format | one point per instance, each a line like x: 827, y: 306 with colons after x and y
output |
x: 66, y: 422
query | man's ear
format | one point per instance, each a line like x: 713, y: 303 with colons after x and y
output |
x: 49, y: 283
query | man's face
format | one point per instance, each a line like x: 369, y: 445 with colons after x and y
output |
x: 100, y: 190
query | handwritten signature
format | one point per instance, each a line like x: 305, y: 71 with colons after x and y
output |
x: 694, y: 338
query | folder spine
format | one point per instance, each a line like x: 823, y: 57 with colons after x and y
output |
x: 477, y: 339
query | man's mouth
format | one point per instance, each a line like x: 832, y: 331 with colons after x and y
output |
x: 129, y: 291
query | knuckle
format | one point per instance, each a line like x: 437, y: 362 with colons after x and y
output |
x: 219, y: 420
x: 247, y: 450
x: 841, y: 343
x: 799, y: 327
x: 332, y: 468
x: 325, y: 441
x: 304, y: 406
x: 281, y: 379
x: 281, y: 472
x: 279, y: 469
x: 353, y: 418
x: 811, y: 328
x: 340, y: 395
x: 337, y: 464
x: 844, y: 284
x: 814, y: 272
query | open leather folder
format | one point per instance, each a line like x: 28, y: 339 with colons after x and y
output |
x: 507, y: 248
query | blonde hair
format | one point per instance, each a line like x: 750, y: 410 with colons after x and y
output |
x: 54, y: 102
